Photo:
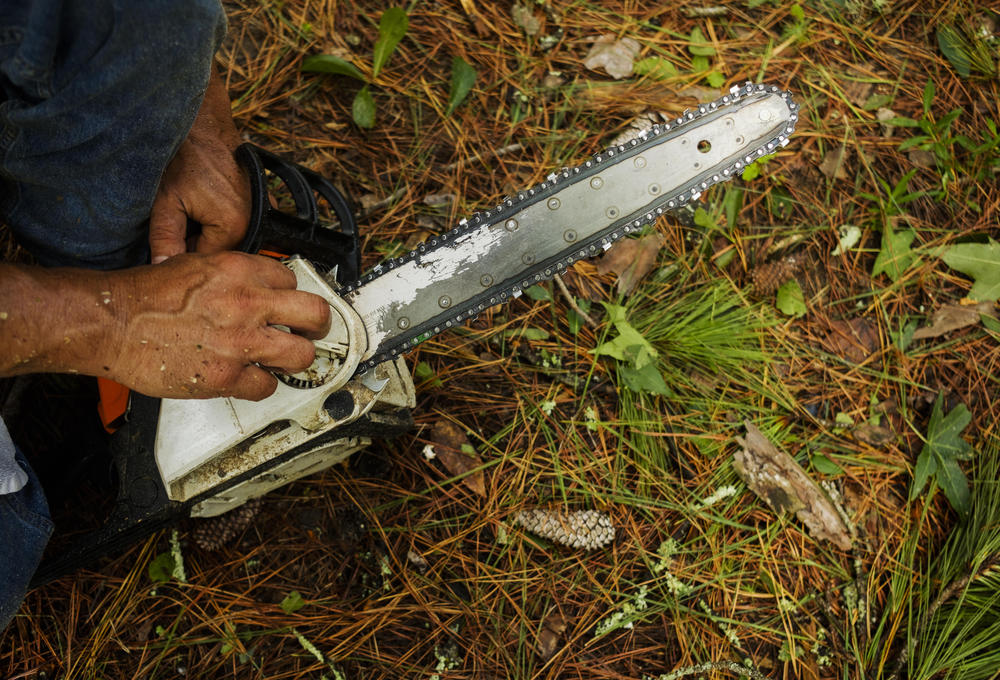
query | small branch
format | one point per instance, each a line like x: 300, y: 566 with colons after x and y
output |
x: 572, y: 302
x: 730, y: 666
x: 714, y: 11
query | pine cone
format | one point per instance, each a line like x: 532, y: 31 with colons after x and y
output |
x: 213, y: 533
x: 587, y: 529
x: 768, y: 278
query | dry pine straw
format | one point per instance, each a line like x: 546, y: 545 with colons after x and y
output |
x: 342, y: 539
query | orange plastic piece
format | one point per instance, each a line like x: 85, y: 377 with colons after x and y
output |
x: 113, y: 403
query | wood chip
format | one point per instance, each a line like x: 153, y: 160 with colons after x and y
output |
x: 782, y: 483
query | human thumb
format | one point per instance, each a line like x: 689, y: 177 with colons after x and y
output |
x: 167, y: 229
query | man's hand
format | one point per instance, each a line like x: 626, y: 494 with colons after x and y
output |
x: 195, y: 326
x: 203, y: 182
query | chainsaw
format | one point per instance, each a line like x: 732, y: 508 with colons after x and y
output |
x: 201, y: 458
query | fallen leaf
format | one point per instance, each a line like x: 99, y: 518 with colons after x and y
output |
x: 950, y: 318
x: 895, y: 255
x: 834, y: 162
x: 616, y: 57
x: 548, y: 639
x: 452, y: 446
x: 416, y: 560
x: 874, y: 435
x: 857, y: 91
x: 631, y: 259
x: 853, y: 340
x: 921, y: 158
x: 981, y: 261
x: 702, y: 94
x: 525, y: 18
x: 782, y: 483
x: 884, y: 115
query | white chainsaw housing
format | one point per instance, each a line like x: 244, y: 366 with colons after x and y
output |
x: 203, y: 444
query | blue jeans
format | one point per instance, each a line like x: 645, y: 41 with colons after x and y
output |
x: 95, y: 98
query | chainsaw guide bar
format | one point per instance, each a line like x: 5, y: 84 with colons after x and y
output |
x: 489, y: 258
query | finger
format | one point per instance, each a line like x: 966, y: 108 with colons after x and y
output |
x: 224, y: 234
x: 254, y: 384
x: 167, y: 229
x: 305, y: 313
x: 283, y: 351
x: 271, y: 273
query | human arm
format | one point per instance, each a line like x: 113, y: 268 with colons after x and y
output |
x: 195, y: 326
x: 203, y: 182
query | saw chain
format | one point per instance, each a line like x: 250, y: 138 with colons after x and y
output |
x: 490, y: 257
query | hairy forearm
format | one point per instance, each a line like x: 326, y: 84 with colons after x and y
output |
x: 56, y: 320
x: 194, y: 326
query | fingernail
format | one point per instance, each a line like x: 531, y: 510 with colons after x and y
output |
x: 159, y: 258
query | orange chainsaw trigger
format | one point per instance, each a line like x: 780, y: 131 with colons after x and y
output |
x: 113, y: 403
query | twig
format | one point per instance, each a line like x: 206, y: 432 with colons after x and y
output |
x: 944, y: 596
x: 712, y: 11
x: 730, y: 666
x: 572, y: 302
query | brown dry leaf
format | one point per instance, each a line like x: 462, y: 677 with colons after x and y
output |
x: 857, y: 91
x: 874, y: 435
x: 950, y: 318
x: 631, y: 259
x: 704, y: 95
x: 782, y: 483
x: 853, y: 340
x: 834, y: 162
x: 548, y: 640
x: 614, y: 56
x: 526, y: 19
x: 449, y: 440
x: 921, y: 158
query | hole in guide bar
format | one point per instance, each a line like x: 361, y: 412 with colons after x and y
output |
x: 704, y: 146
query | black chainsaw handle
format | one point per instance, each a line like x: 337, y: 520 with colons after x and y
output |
x: 302, y: 233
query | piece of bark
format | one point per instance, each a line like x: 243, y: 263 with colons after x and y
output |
x: 548, y: 639
x: 782, y: 483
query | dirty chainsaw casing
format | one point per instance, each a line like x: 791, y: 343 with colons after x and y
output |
x: 204, y: 457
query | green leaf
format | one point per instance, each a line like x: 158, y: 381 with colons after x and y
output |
x: 292, y: 602
x: 928, y: 98
x: 790, y: 299
x: 699, y: 64
x: 990, y: 323
x: 926, y: 466
x: 699, y: 46
x: 877, y: 101
x: 953, y: 48
x: 327, y: 63
x: 943, y: 432
x: 463, y: 77
x: 826, y: 466
x: 981, y: 262
x: 646, y: 379
x: 391, y: 29
x: 657, y: 68
x: 424, y: 373
x: 539, y: 293
x: 161, y: 568
x: 363, y: 108
x: 953, y: 482
x: 895, y: 256
x: 715, y: 79
x: 797, y: 12
x: 630, y: 346
x: 732, y: 202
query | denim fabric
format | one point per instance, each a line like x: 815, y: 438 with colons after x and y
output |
x: 99, y: 94
x: 95, y: 98
x: 25, y: 528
